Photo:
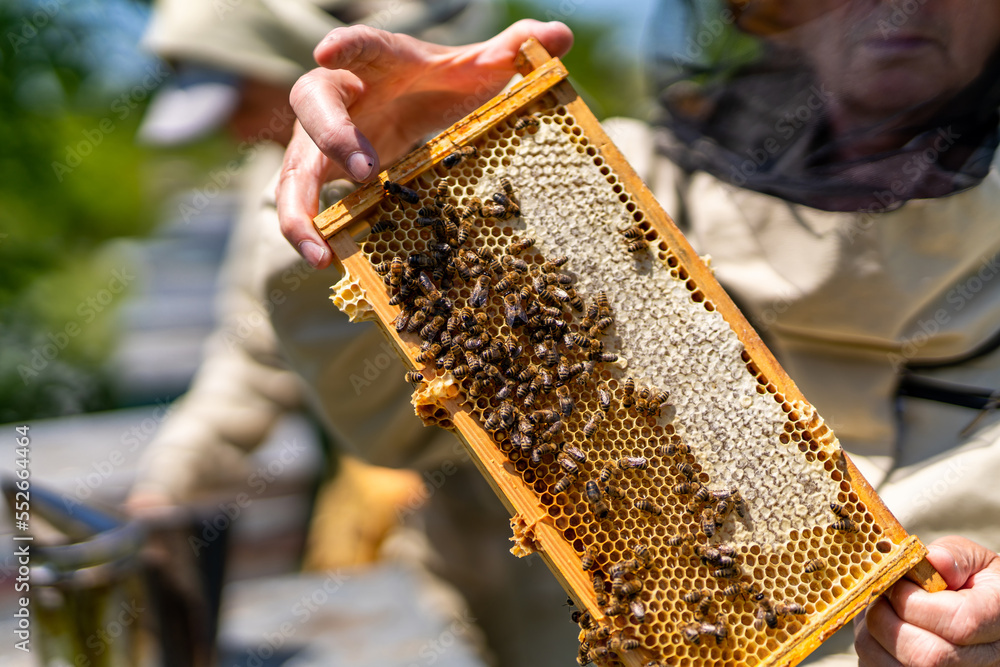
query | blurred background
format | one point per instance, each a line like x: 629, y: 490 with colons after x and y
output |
x: 110, y: 250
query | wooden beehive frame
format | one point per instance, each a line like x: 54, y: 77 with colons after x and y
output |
x: 545, y: 78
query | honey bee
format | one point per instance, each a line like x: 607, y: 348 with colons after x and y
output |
x: 620, y: 643
x: 646, y: 505
x: 603, y: 304
x: 840, y: 510
x: 513, y: 312
x: 695, y: 596
x: 430, y: 353
x: 685, y: 469
x: 607, y: 471
x: 553, y: 264
x: 448, y: 230
x: 739, y: 504
x: 401, y: 321
x: 765, y: 615
x: 465, y: 228
x: 564, y: 371
x: 543, y: 417
x: 583, y: 619
x: 636, y: 462
x: 481, y: 292
x: 691, y: 634
x: 741, y: 588
x: 708, y: 525
x: 815, y: 565
x: 383, y: 225
x: 506, y: 412
x: 636, y: 246
x: 441, y: 190
x: 717, y: 630
x: 678, y: 539
x: 572, y: 468
x: 588, y: 560
x: 491, y: 209
x: 400, y: 192
x: 600, y: 326
x: 592, y: 424
x: 598, y: 583
x: 730, y: 572
x: 423, y: 221
x: 548, y: 353
x: 527, y: 373
x: 562, y: 484
x: 628, y: 393
x: 524, y: 122
x: 603, y: 398
x: 575, y: 339
x: 787, y: 609
x: 576, y: 453
x: 658, y: 398
x: 413, y: 377
x: 593, y: 492
x: 641, y: 552
x: 451, y: 213
x: 701, y: 495
x: 633, y: 232
x: 506, y: 283
x: 615, y: 492
x: 396, y: 271
x: 614, y: 609
x: 722, y: 509
x: 455, y: 157
x: 492, y: 422
x: 586, y: 369
x: 630, y: 588
x: 704, y: 607
x: 432, y: 328
x: 575, y: 301
x: 566, y: 402
x: 477, y: 388
x: 417, y: 320
x: 844, y: 525
x: 674, y: 449
x: 541, y: 450
x: 460, y: 372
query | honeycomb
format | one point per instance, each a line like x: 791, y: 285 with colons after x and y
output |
x: 348, y: 296
x: 714, y: 518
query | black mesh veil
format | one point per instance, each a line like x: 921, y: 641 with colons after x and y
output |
x: 743, y: 97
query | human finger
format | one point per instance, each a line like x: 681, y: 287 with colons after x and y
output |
x: 362, y: 49
x: 303, y: 173
x: 957, y: 559
x: 320, y: 101
x: 915, y: 646
x: 870, y: 652
x: 966, y: 616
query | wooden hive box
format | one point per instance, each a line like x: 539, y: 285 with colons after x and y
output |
x: 627, y: 498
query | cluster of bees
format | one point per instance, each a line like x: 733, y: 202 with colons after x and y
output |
x: 635, y: 238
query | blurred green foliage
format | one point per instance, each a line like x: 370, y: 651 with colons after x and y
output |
x: 70, y: 180
x: 610, y: 81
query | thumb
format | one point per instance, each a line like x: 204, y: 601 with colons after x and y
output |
x: 957, y: 559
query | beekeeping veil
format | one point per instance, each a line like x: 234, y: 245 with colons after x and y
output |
x: 750, y: 92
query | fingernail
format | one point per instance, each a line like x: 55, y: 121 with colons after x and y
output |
x: 359, y: 166
x: 313, y: 253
